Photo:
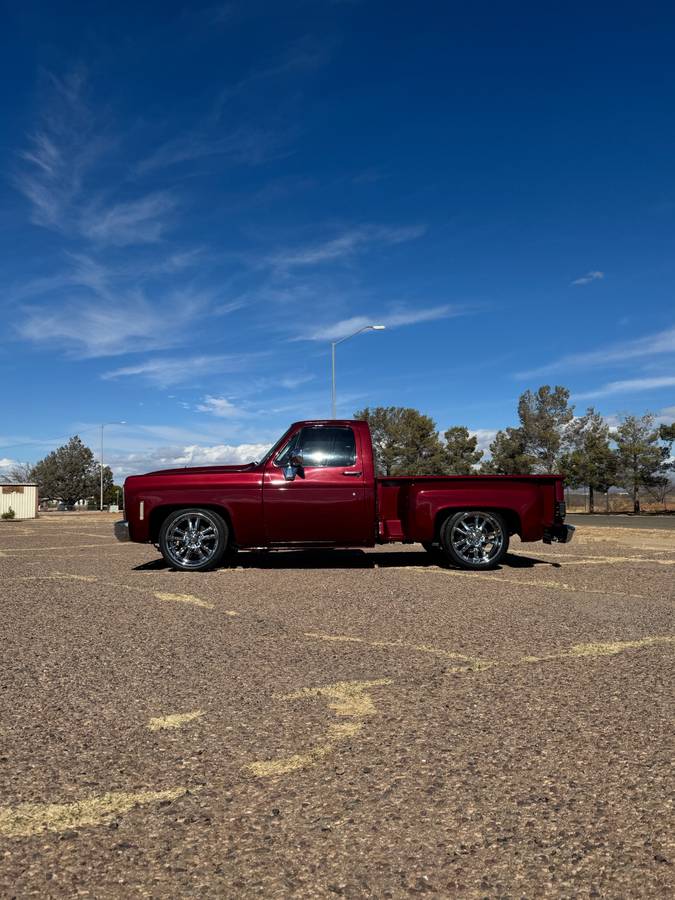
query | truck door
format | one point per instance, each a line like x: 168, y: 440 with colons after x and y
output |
x: 325, y: 502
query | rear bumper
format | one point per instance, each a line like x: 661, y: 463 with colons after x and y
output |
x: 561, y: 534
x: 122, y: 530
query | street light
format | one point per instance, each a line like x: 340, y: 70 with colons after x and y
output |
x: 103, y: 424
x: 334, y: 345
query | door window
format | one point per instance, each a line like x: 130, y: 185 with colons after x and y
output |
x: 322, y: 447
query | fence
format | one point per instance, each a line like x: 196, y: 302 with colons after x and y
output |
x: 618, y: 502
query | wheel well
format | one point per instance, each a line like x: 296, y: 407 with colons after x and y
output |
x: 160, y: 513
x: 510, y: 516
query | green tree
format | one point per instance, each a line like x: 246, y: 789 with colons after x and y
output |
x: 405, y: 442
x: 111, y: 492
x: 667, y: 435
x: 69, y: 473
x: 641, y: 461
x: 460, y: 451
x: 591, y: 462
x: 508, y: 454
x: 544, y: 416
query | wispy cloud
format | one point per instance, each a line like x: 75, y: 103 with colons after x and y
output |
x: 588, y: 278
x: 168, y: 371
x: 140, y: 221
x: 220, y: 407
x: 94, y: 328
x: 55, y: 174
x: 302, y: 55
x: 106, y: 280
x: 396, y: 319
x: 629, y: 386
x: 652, y: 345
x: 344, y: 245
x: 243, y: 146
x: 290, y: 382
x: 60, y: 153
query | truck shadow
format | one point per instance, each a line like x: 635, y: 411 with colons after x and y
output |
x: 349, y: 559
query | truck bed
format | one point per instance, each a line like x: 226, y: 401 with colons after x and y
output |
x: 408, y: 506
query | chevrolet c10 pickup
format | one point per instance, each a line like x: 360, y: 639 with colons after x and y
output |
x: 318, y: 487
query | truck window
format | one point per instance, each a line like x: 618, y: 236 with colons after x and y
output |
x: 322, y: 447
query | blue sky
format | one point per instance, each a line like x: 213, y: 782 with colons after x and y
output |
x: 195, y: 200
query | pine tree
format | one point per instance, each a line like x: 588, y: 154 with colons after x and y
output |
x: 460, y: 451
x: 641, y: 461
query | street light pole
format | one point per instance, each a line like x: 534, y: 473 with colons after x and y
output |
x: 333, y: 346
x: 103, y: 424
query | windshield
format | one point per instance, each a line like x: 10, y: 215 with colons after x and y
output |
x: 270, y: 453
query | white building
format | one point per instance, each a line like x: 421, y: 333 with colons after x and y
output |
x: 22, y: 498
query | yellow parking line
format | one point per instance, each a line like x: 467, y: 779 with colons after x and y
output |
x: 346, y: 698
x: 61, y: 549
x: 548, y: 585
x: 468, y: 661
x: 180, y: 598
x: 600, y: 649
x: 605, y: 560
x: 177, y: 720
x: 28, y: 819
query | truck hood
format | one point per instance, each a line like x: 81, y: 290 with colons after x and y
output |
x: 201, y: 470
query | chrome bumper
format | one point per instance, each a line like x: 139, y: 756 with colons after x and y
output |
x: 122, y: 530
x: 561, y: 534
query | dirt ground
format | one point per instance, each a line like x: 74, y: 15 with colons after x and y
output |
x: 347, y: 723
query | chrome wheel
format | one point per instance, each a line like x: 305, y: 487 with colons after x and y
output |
x: 477, y: 538
x: 193, y: 540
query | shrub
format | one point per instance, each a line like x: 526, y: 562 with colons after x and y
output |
x: 9, y: 514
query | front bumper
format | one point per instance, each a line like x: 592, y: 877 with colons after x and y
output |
x: 561, y: 534
x: 122, y: 530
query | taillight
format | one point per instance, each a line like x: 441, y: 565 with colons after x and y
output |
x: 560, y: 510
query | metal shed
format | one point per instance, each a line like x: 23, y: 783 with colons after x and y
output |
x: 22, y: 498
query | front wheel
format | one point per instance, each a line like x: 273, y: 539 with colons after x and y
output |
x: 475, y: 539
x: 193, y: 540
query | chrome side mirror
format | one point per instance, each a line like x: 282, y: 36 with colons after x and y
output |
x: 294, y: 465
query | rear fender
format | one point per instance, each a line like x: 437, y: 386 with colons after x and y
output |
x: 510, y: 516
x: 520, y: 504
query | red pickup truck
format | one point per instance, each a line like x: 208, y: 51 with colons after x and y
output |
x: 317, y: 487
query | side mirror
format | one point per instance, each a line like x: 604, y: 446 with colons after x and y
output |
x: 294, y: 465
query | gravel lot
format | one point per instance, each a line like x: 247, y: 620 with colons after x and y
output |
x: 364, y: 724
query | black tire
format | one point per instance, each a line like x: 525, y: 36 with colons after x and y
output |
x: 475, y: 539
x: 433, y: 550
x: 194, y: 539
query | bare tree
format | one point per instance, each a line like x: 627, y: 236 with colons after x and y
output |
x: 21, y: 473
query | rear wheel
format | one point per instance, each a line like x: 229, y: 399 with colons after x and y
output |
x: 193, y: 540
x: 475, y: 539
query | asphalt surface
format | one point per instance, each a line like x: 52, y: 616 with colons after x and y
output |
x: 622, y: 520
x: 358, y: 724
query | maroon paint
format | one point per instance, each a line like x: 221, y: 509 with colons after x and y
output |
x: 325, y: 506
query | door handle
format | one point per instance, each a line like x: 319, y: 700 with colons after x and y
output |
x: 353, y: 474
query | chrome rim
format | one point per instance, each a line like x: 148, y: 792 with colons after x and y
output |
x: 192, y: 540
x: 477, y: 538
